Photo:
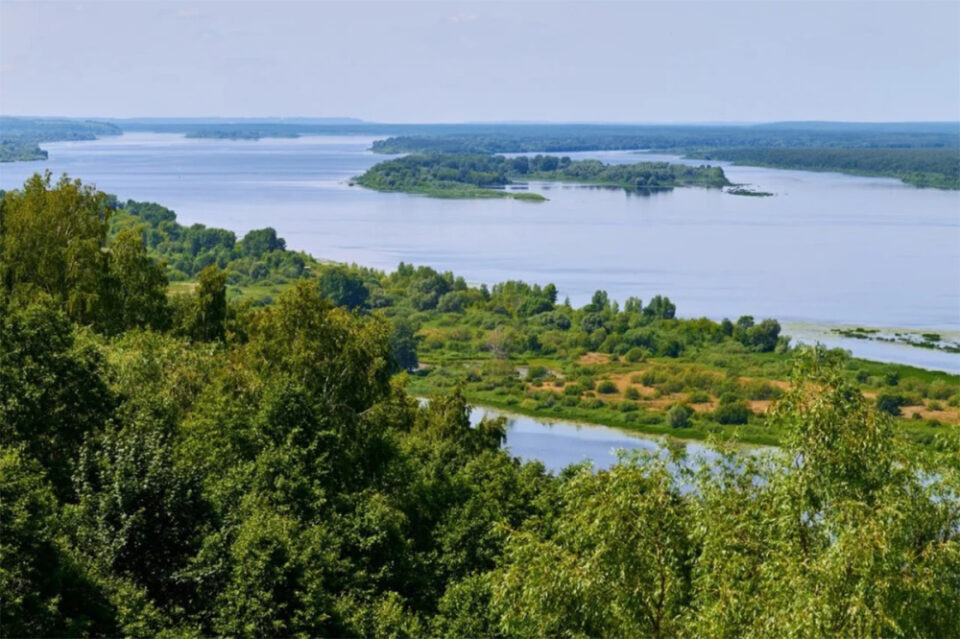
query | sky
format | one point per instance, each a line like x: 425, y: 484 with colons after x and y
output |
x: 484, y: 61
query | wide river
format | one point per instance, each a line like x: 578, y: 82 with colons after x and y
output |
x: 828, y: 249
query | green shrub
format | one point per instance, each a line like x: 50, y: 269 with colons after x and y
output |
x: 627, y: 407
x: 632, y: 393
x: 573, y: 390
x: 679, y: 416
x: 759, y: 390
x: 536, y: 372
x: 586, y: 382
x: 671, y: 386
x: 649, y: 377
x: 635, y: 354
x: 912, y: 399
x: 698, y: 397
x: 731, y: 411
x: 939, y: 390
x: 889, y: 403
x: 607, y: 387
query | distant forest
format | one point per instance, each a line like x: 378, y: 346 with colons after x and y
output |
x: 937, y: 168
x: 923, y: 154
x: 570, y: 138
x: 20, y: 137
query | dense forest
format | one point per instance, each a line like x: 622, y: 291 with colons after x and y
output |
x: 19, y: 137
x: 445, y: 175
x: 186, y: 466
x: 256, y: 261
x: 937, y: 168
x: 557, y: 138
x: 492, y: 138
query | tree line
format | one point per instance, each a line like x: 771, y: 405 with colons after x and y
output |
x: 936, y: 168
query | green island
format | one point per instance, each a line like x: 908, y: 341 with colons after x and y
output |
x: 239, y: 133
x: 186, y: 463
x: 741, y: 190
x: 20, y: 137
x: 471, y: 176
x: 930, y: 168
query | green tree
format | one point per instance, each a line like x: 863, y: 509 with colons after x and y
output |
x: 660, y: 308
x: 52, y: 240
x: 140, y: 513
x: 52, y: 388
x: 202, y: 315
x: 259, y: 242
x: 137, y: 285
x: 614, y: 562
x: 679, y: 416
x: 403, y: 345
x: 45, y: 592
x: 343, y: 288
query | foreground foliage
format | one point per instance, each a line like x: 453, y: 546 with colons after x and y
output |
x: 261, y: 472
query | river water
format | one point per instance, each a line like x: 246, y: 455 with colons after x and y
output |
x: 558, y: 444
x: 827, y: 249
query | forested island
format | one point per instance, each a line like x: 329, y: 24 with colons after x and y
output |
x: 177, y: 464
x: 934, y: 168
x: 239, y: 133
x: 467, y: 176
x: 20, y: 137
x: 747, y: 192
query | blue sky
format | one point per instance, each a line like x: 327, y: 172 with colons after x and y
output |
x: 452, y: 62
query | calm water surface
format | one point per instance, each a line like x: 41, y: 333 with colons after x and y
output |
x: 558, y: 444
x: 827, y: 248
